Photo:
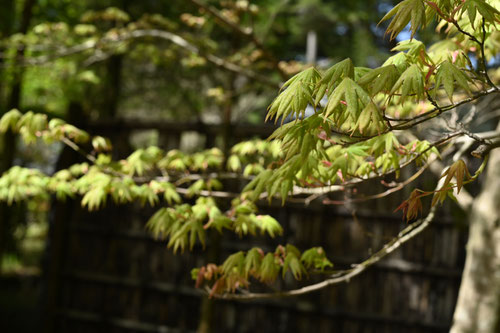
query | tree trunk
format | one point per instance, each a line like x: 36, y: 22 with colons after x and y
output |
x: 478, y: 306
x: 8, y: 140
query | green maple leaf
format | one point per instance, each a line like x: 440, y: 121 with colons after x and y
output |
x: 411, y: 82
x: 379, y: 79
x: 350, y: 94
x: 253, y: 260
x: 234, y: 262
x: 472, y: 7
x: 448, y: 74
x: 407, y: 11
x: 315, y: 258
x: 332, y: 77
x: 296, y: 94
x: 268, y: 224
x: 9, y: 120
x: 268, y: 269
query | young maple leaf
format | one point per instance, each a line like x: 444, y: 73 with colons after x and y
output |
x: 218, y: 287
x: 407, y: 11
x: 459, y: 171
x: 448, y: 74
x: 412, y: 206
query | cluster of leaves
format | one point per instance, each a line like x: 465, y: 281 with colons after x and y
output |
x: 17, y: 183
x: 186, y: 224
x: 458, y: 171
x: 239, y: 267
x: 35, y: 125
x: 351, y: 135
x: 183, y: 224
x: 357, y: 97
x: 253, y: 156
x: 317, y: 156
x: 418, y: 13
x: 142, y: 176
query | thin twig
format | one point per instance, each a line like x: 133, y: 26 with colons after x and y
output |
x: 246, y: 33
x: 166, y: 35
x: 399, y: 187
x: 483, y: 57
x: 411, y: 122
x: 79, y: 150
x: 345, y: 276
x: 481, y: 48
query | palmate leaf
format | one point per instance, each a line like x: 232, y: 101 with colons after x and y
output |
x: 243, y: 225
x: 352, y: 95
x: 269, y: 268
x: 370, y: 120
x: 297, y: 94
x: 9, y: 120
x: 472, y: 7
x: 143, y: 160
x: 17, y: 184
x: 415, y: 51
x: 146, y: 193
x: 170, y: 194
x: 411, y: 82
x: 95, y: 198
x: 100, y: 143
x: 253, y: 261
x: 315, y: 258
x: 265, y: 267
x: 400, y: 60
x: 379, y: 79
x: 407, y: 11
x: 267, y: 223
x: 412, y: 206
x: 332, y: 77
x: 447, y: 49
x: 448, y: 74
x: 235, y: 263
x: 459, y: 171
x: 292, y: 263
x: 234, y: 163
x: 187, y: 235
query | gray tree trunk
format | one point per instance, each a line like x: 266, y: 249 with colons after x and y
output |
x: 478, y: 306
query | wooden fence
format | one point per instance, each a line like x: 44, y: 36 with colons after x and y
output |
x: 107, y: 274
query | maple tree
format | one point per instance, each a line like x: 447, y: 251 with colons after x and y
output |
x: 360, y: 129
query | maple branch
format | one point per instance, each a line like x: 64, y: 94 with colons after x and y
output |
x: 207, y: 193
x: 78, y: 149
x: 404, y: 236
x: 136, y: 34
x: 246, y: 33
x: 481, y: 48
x: 483, y: 150
x: 297, y: 190
x: 220, y: 62
x: 317, y: 192
x: 464, y: 199
x: 394, y: 189
x: 407, y: 122
x: 483, y: 57
x: 459, y: 28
